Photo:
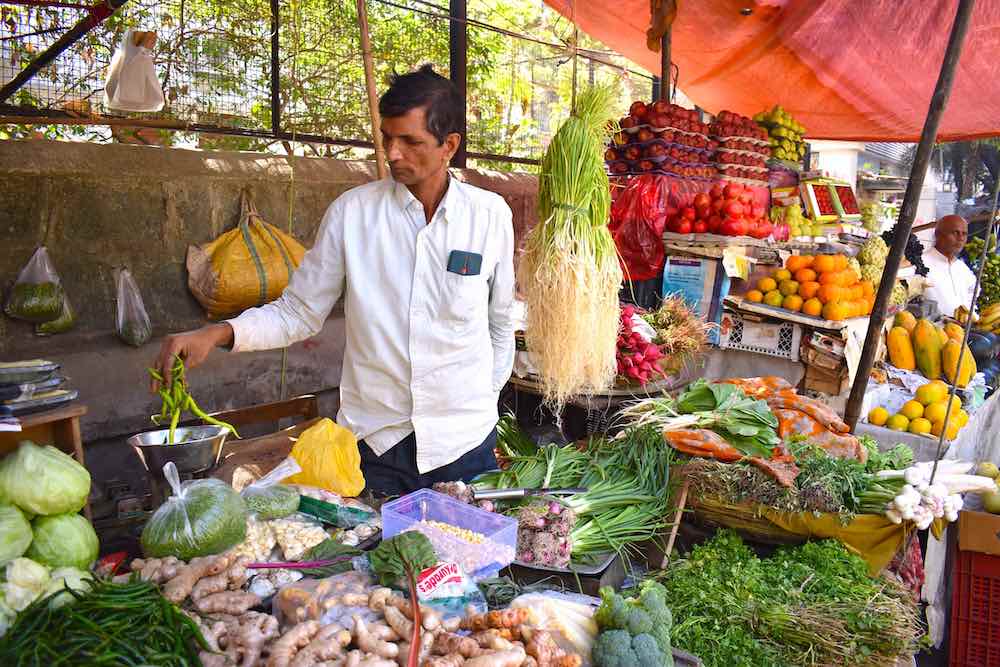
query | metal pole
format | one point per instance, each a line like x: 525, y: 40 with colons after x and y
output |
x: 366, y: 55
x: 666, y: 88
x: 656, y: 89
x: 458, y: 52
x: 275, y: 68
x: 939, y: 101
x: 96, y: 14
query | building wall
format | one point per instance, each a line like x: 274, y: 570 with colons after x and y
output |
x: 99, y: 207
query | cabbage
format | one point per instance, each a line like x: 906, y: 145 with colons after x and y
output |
x: 67, y: 577
x: 203, y: 517
x: 64, y: 540
x: 15, y: 533
x: 43, y: 480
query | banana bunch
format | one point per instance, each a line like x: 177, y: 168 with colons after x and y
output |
x: 974, y: 248
x: 962, y: 315
x: 989, y: 318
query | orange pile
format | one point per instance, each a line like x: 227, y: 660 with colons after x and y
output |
x: 821, y: 286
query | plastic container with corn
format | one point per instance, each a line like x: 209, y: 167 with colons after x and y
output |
x: 482, y: 543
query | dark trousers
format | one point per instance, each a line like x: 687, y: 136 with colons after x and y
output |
x: 395, y: 472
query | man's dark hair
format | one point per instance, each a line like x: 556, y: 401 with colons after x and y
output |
x: 425, y: 89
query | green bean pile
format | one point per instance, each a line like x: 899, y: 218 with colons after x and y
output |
x: 176, y: 400
x: 112, y: 624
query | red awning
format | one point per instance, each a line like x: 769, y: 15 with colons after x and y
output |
x: 861, y: 70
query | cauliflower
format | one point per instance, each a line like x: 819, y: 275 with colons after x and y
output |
x: 26, y: 581
x: 635, y: 632
x: 873, y: 252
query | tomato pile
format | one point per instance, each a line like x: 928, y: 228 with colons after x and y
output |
x: 728, y: 210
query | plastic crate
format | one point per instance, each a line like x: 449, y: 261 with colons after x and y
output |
x: 428, y: 505
x: 779, y: 339
x: 975, y: 611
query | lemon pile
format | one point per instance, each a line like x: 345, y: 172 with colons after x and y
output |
x: 925, y: 415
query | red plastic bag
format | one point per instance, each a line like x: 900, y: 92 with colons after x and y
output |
x: 638, y: 218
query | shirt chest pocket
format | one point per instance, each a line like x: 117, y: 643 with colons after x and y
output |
x: 464, y: 299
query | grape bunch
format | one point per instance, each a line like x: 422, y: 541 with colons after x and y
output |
x: 990, y: 288
x: 914, y: 251
x: 974, y: 248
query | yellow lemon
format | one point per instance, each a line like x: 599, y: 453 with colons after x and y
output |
x: 898, y: 422
x: 962, y: 418
x: 774, y: 298
x: 920, y: 426
x: 935, y: 411
x: 766, y: 285
x: 932, y: 392
x: 755, y: 295
x: 912, y: 410
x: 878, y: 416
x: 782, y: 274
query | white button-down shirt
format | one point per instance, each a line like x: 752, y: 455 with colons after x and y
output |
x: 428, y: 350
x: 951, y: 282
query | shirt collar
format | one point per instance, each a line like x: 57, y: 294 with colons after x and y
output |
x: 446, y: 209
x: 941, y: 256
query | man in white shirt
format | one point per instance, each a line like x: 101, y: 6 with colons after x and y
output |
x: 951, y: 281
x: 425, y: 265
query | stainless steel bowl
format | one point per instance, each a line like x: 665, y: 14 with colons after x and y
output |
x: 197, y: 448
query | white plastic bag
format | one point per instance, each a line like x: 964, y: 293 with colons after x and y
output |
x: 37, y: 295
x: 132, y: 84
x: 131, y: 319
x: 267, y: 498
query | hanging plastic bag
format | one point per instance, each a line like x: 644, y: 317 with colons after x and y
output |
x: 203, y: 517
x: 267, y: 499
x: 132, y: 84
x: 132, y: 321
x: 62, y: 324
x: 329, y: 457
x: 638, y: 218
x: 244, y: 267
x: 37, y: 295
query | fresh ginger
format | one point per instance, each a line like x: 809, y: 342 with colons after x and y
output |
x: 450, y: 660
x: 157, y: 570
x: 369, y: 643
x: 505, y: 618
x: 327, y: 644
x: 513, y: 657
x: 179, y: 587
x: 447, y: 643
x: 398, y: 621
x: 289, y: 643
x: 227, y: 602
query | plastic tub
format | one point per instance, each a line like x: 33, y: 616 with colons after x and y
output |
x: 499, y: 532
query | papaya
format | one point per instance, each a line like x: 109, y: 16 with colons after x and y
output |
x: 927, y: 349
x: 942, y: 335
x: 905, y: 319
x: 901, y: 349
x: 954, y: 331
x: 957, y: 373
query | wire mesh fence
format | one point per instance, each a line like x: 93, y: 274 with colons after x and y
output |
x: 214, y: 61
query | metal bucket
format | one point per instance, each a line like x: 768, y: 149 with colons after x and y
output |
x: 198, y: 449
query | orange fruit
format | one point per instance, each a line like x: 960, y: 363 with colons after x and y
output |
x: 774, y: 298
x: 829, y: 278
x: 805, y: 275
x: 755, y: 295
x: 782, y: 274
x: 788, y: 287
x: 794, y: 263
x: 867, y: 289
x: 813, y: 307
x: 766, y: 285
x: 835, y: 311
x: 829, y: 294
x: 840, y: 261
x: 824, y: 264
x: 808, y: 290
x: 869, y: 304
x: 792, y: 302
x: 857, y: 293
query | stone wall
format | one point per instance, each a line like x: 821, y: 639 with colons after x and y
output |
x: 99, y: 207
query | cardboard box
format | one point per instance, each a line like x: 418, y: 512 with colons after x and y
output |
x: 826, y: 381
x: 822, y: 359
x: 979, y: 531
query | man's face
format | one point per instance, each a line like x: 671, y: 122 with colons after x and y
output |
x: 414, y: 153
x: 950, y: 235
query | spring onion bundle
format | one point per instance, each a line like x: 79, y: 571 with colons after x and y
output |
x: 570, y: 272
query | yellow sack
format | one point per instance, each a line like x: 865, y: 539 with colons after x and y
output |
x: 244, y: 267
x: 329, y: 457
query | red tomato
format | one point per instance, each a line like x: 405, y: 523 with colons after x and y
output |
x: 637, y: 109
x: 717, y: 205
x: 703, y: 210
x: 733, y: 227
x: 714, y: 224
x: 732, y: 190
x: 746, y: 197
x: 702, y: 198
x: 688, y: 213
x: 699, y: 227
x: 733, y: 208
x: 684, y: 227
x: 716, y: 191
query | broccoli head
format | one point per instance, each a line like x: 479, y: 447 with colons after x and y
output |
x: 613, y: 612
x: 617, y: 648
x: 639, y: 621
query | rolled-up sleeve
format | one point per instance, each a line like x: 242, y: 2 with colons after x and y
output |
x: 502, y: 300
x: 306, y: 302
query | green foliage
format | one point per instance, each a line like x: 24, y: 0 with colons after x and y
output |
x: 391, y: 559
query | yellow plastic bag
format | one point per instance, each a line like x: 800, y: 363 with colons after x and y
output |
x: 329, y: 457
x: 244, y: 267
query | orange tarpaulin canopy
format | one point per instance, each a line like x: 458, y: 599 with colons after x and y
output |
x: 857, y: 70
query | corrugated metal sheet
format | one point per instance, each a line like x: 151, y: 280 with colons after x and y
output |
x: 886, y: 151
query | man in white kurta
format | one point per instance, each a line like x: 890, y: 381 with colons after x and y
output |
x: 951, y: 280
x: 424, y: 264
